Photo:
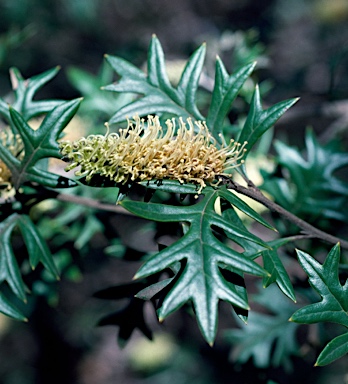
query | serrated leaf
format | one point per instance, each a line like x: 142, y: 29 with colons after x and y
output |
x: 333, y: 306
x: 158, y: 95
x: 36, y: 247
x: 259, y: 121
x: 269, y: 339
x: 226, y: 89
x: 25, y: 90
x: 310, y: 186
x: 9, y: 269
x: 200, y: 280
x: 324, y: 279
x: 39, y: 144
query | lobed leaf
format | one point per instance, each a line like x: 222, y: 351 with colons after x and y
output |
x: 267, y: 338
x: 226, y: 89
x: 203, y: 258
x: 36, y: 247
x: 333, y: 306
x: 310, y: 185
x: 158, y: 95
x: 25, y: 91
x: 38, y: 145
x: 259, y: 121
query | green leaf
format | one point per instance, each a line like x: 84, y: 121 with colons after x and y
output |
x: 259, y: 121
x: 8, y: 309
x: 335, y: 349
x: 333, y: 306
x: 9, y: 269
x: 188, y: 84
x: 158, y: 95
x: 226, y: 89
x: 36, y: 247
x: 203, y: 258
x: 269, y: 339
x: 39, y: 144
x: 97, y: 104
x: 278, y: 274
x: 324, y: 279
x: 310, y: 185
x: 25, y: 91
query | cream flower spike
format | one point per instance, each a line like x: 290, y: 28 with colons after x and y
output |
x: 15, y: 145
x: 146, y: 151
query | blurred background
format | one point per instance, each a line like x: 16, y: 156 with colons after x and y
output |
x: 301, y: 47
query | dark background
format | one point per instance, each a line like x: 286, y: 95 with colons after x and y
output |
x: 306, y: 54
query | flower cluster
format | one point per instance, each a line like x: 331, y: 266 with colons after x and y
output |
x: 146, y: 151
x: 15, y: 145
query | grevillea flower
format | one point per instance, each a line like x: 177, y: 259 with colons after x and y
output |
x: 15, y: 145
x: 146, y: 151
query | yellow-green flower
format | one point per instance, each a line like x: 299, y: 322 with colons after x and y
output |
x: 146, y: 151
x: 14, y: 144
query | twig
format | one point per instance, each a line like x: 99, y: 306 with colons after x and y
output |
x: 91, y: 203
x: 251, y: 191
x: 254, y: 193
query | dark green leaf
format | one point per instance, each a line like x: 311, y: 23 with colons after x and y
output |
x: 9, y: 269
x: 333, y: 306
x: 324, y: 279
x: 269, y: 339
x: 226, y: 89
x: 310, y: 186
x: 25, y: 90
x: 38, y: 145
x: 335, y: 349
x: 259, y: 121
x: 188, y: 84
x: 278, y: 274
x: 158, y: 95
x: 8, y: 309
x: 200, y: 280
x: 36, y: 248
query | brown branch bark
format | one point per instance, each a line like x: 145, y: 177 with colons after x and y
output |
x: 91, y: 203
x: 253, y: 192
x: 250, y: 191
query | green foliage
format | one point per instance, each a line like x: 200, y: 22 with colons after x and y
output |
x: 259, y: 121
x: 202, y: 256
x: 270, y: 339
x: 333, y: 306
x: 208, y: 261
x: 308, y: 184
x: 97, y: 104
x: 25, y: 91
x: 159, y: 95
x: 9, y: 269
x: 39, y: 144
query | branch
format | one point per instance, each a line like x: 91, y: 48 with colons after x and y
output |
x: 253, y: 192
x: 96, y: 204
